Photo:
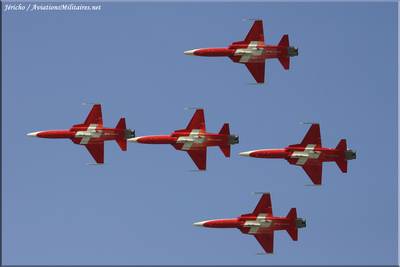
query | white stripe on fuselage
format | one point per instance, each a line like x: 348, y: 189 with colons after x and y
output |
x: 308, y: 153
x: 259, y: 222
x: 251, y: 51
x: 90, y: 132
x: 193, y: 138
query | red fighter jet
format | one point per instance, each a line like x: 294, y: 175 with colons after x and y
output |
x: 253, y: 51
x: 195, y: 140
x: 261, y: 223
x: 309, y: 154
x: 92, y: 134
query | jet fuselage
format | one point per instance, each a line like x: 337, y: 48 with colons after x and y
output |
x: 253, y: 52
x: 85, y: 134
x: 320, y: 154
x: 191, y: 140
x: 248, y: 223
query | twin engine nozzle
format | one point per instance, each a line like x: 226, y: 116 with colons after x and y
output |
x: 129, y: 133
x: 293, y: 51
x: 350, y: 154
x: 301, y: 223
x: 233, y: 139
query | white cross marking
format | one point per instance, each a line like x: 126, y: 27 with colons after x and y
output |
x: 193, y: 138
x: 259, y: 222
x: 308, y: 153
x: 88, y: 134
x: 251, y: 51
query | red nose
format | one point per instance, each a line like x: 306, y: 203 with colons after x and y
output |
x: 265, y: 153
x: 222, y: 223
x: 53, y: 134
x: 211, y: 52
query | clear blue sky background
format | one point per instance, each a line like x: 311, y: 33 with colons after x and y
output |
x: 140, y: 206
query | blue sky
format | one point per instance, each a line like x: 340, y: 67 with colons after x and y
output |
x: 139, y: 207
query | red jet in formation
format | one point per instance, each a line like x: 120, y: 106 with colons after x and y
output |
x: 309, y: 154
x: 92, y: 134
x: 261, y: 223
x: 253, y: 51
x: 194, y: 139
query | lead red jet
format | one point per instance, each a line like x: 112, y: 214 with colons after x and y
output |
x: 92, y: 134
x: 194, y: 139
x: 309, y: 154
x: 261, y: 223
x: 253, y: 51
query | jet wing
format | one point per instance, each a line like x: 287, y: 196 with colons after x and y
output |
x: 256, y: 32
x: 266, y: 241
x: 257, y: 70
x: 264, y: 205
x: 197, y: 121
x: 314, y: 171
x: 97, y: 151
x: 94, y: 116
x: 199, y: 157
x: 313, y: 136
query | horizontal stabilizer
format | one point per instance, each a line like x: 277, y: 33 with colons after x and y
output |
x: 226, y: 150
x: 285, y: 61
x: 292, y: 215
x: 342, y: 164
x: 292, y: 231
x: 342, y: 145
x: 284, y: 41
x: 225, y: 129
x: 122, y: 144
x: 121, y: 124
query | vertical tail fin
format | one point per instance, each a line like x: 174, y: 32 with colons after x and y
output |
x: 342, y: 145
x: 284, y: 41
x: 121, y: 125
x: 225, y: 129
x: 292, y: 230
x: 292, y: 215
x: 342, y: 162
x: 226, y: 149
x: 285, y: 59
x: 122, y: 144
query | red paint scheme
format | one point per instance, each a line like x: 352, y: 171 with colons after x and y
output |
x: 95, y: 136
x: 214, y: 52
x: 253, y: 56
x: 313, y: 164
x: 196, y: 145
x: 261, y: 223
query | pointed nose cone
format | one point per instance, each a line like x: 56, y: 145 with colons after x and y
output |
x: 200, y: 224
x: 34, y: 134
x: 190, y: 52
x: 135, y: 139
x: 246, y: 153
